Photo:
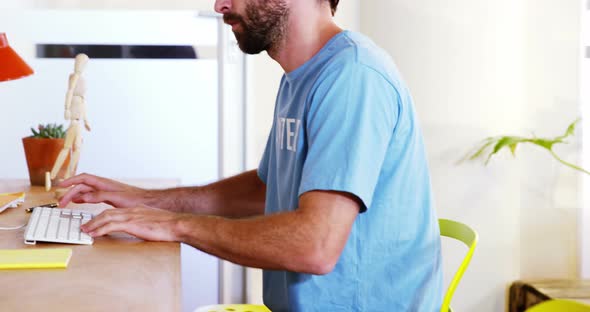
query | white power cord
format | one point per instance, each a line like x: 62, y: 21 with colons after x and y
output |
x: 12, y: 228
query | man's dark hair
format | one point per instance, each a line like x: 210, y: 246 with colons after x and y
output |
x: 333, y: 5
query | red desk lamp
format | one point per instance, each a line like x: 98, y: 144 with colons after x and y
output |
x: 11, y: 65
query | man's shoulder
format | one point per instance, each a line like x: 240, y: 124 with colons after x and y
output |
x: 357, y: 50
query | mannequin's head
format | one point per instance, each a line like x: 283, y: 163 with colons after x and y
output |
x: 81, y: 60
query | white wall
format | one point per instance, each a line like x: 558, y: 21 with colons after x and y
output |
x: 584, y: 219
x: 462, y: 61
x: 549, y: 191
x: 482, y: 68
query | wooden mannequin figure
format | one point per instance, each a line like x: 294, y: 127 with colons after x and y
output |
x: 75, y: 111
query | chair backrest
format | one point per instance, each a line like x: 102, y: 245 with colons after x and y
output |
x: 468, y: 236
x: 559, y: 305
x: 233, y: 308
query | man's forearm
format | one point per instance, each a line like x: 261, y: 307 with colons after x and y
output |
x: 235, y: 197
x: 276, y: 242
x: 308, y: 239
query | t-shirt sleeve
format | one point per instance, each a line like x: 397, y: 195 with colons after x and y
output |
x: 349, y: 125
x: 262, y: 170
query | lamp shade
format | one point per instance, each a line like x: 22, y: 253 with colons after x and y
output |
x: 11, y: 65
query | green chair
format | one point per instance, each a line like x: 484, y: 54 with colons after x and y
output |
x: 559, y: 305
x: 233, y: 308
x: 468, y: 236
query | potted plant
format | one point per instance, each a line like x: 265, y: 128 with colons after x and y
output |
x: 41, y: 150
x: 492, y: 145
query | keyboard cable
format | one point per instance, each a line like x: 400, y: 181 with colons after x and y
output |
x: 28, y: 210
x: 12, y: 228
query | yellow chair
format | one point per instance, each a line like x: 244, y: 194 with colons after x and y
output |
x: 559, y: 305
x: 448, y: 228
x: 468, y: 236
x: 233, y: 308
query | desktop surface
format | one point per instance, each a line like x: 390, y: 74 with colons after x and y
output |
x: 116, y: 273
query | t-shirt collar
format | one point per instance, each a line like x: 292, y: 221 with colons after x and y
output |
x: 299, y: 71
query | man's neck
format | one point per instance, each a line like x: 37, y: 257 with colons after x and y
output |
x: 305, y: 38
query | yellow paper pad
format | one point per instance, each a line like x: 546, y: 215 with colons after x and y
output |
x: 11, y: 199
x: 35, y: 258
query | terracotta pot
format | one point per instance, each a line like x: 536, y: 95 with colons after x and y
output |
x: 41, y: 155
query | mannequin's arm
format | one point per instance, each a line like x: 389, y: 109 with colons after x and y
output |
x: 70, y: 94
x: 86, y: 123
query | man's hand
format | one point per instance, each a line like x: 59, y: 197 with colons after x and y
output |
x: 144, y: 222
x: 92, y: 189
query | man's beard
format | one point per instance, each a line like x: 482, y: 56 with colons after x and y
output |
x: 263, y: 26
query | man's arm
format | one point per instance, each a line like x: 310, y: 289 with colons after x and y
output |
x: 308, y: 240
x: 239, y: 196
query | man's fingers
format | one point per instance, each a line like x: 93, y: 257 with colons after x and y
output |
x: 89, y: 198
x: 74, y: 192
x: 106, y: 217
x: 108, y: 228
x: 97, y: 189
x: 78, y: 179
x: 91, y: 180
x: 116, y: 199
x: 145, y: 223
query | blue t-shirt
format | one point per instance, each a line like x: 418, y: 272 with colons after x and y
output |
x: 344, y: 121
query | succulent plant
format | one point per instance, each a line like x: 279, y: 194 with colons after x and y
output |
x: 48, y: 131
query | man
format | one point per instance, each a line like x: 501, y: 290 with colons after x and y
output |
x: 339, y: 212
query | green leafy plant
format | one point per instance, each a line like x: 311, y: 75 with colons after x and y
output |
x: 492, y: 145
x: 48, y: 131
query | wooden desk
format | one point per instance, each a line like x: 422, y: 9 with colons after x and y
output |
x: 525, y: 294
x: 116, y: 273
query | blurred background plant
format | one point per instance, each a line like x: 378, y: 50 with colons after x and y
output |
x: 492, y: 145
x: 48, y: 131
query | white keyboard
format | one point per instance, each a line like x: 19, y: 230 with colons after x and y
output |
x: 57, y: 225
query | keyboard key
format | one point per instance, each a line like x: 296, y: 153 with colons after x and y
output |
x: 41, y: 230
x: 52, y: 228
x: 85, y: 237
x: 64, y: 227
x: 74, y: 229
